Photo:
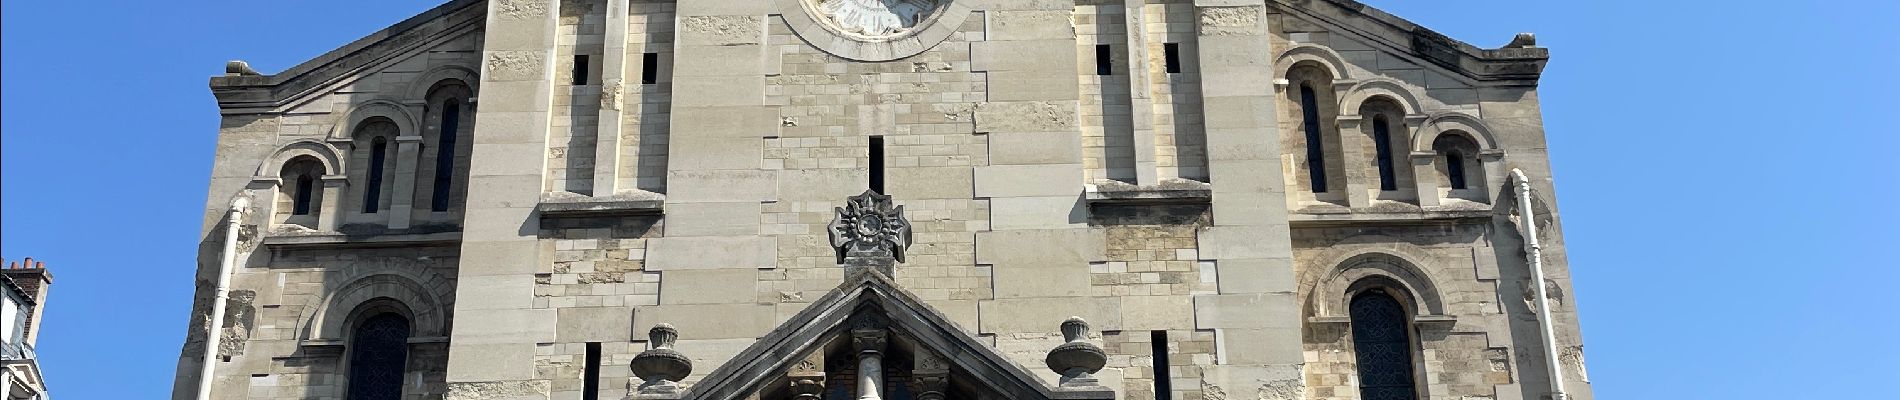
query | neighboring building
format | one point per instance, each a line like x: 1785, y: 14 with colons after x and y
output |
x: 24, y: 286
x: 1268, y: 199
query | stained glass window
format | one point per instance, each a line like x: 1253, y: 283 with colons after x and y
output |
x: 1381, y: 339
x: 378, y: 355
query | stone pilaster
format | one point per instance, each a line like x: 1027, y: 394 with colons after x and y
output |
x: 1250, y: 235
x: 613, y: 89
x: 1141, y: 103
x: 496, y: 325
x: 330, y: 214
x: 408, y: 155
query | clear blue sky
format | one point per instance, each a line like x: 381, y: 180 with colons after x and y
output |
x: 1723, y: 171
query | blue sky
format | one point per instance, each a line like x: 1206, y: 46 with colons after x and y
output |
x: 1722, y: 169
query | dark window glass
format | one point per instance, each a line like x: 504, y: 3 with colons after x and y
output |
x: 1103, y: 60
x: 590, y: 378
x: 650, y: 68
x: 1382, y: 136
x: 445, y: 155
x: 580, y: 69
x: 1164, y: 384
x: 378, y: 355
x: 301, y: 203
x: 1171, y: 53
x: 373, y: 193
x: 1455, y: 169
x: 1315, y: 154
x: 1382, y: 342
x: 877, y: 164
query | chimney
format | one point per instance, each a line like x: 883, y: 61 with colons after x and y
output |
x: 32, y: 278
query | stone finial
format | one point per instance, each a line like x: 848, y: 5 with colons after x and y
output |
x: 1524, y: 40
x: 660, y: 368
x: 239, y: 68
x: 1077, y: 359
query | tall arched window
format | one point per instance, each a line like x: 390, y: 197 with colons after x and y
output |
x: 300, y: 201
x: 373, y: 193
x: 1382, y: 144
x: 378, y: 357
x: 1315, y: 153
x: 1456, y: 152
x: 1382, y: 342
x: 445, y: 155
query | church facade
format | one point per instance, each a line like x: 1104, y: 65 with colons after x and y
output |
x: 886, y: 199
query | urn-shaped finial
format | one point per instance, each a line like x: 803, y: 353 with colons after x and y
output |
x: 660, y: 367
x: 1076, y: 359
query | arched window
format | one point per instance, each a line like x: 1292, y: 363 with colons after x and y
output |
x: 300, y: 202
x: 1315, y: 152
x: 1456, y: 152
x: 445, y: 155
x: 1382, y: 342
x: 1382, y: 144
x: 378, y: 357
x: 372, y: 194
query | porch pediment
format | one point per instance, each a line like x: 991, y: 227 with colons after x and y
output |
x: 871, y: 302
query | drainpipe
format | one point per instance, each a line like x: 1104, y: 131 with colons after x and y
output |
x: 1536, y: 255
x: 213, y: 334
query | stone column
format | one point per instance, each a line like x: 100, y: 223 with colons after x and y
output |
x: 1359, y: 185
x: 1141, y: 104
x: 1425, y: 177
x: 870, y: 346
x: 808, y: 377
x: 613, y: 88
x: 500, y: 248
x: 408, y: 155
x: 929, y: 375
x: 330, y: 214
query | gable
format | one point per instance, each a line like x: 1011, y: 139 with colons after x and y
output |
x: 762, y: 363
x: 456, y: 20
x: 1518, y: 62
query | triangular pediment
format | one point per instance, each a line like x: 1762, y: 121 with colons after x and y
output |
x: 768, y: 359
x: 1518, y: 61
x: 413, y: 36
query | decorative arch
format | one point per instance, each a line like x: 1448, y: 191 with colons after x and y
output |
x: 1448, y: 121
x: 324, y: 153
x: 441, y: 75
x: 1364, y: 262
x: 1314, y: 54
x: 345, y: 125
x: 926, y: 35
x: 1354, y: 98
x: 330, y: 318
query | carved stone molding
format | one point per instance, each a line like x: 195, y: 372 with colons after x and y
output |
x: 874, y: 30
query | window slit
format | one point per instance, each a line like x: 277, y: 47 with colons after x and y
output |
x: 877, y: 164
x: 303, y: 196
x: 372, y: 195
x: 1164, y: 386
x: 1455, y: 169
x: 650, y: 68
x: 1104, y: 60
x: 1315, y: 156
x: 1171, y: 52
x: 590, y: 380
x: 1382, y: 135
x: 580, y: 69
x: 445, y: 155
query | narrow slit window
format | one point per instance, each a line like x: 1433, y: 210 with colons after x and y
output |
x: 877, y: 164
x: 372, y: 194
x: 590, y: 379
x: 445, y: 155
x: 1164, y: 386
x: 303, y: 196
x: 1315, y: 155
x: 580, y: 69
x: 1455, y: 169
x: 1382, y: 138
x: 650, y: 68
x: 1171, y: 53
x: 1104, y: 60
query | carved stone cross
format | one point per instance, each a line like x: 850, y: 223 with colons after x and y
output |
x: 869, y: 233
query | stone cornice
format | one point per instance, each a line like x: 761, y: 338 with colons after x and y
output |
x: 1521, y: 65
x: 243, y: 90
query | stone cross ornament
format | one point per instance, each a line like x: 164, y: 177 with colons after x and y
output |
x: 869, y: 233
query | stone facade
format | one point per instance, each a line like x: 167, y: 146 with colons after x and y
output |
x: 533, y: 184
